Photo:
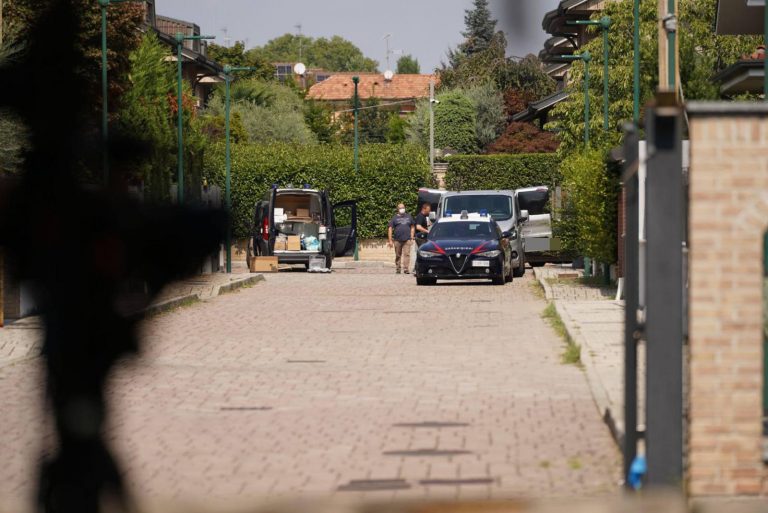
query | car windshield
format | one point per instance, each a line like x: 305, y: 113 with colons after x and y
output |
x: 461, y: 230
x: 499, y: 206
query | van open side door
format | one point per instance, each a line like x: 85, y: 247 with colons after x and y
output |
x: 345, y: 219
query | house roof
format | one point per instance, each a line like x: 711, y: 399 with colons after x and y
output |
x: 535, y: 109
x: 339, y: 87
x: 739, y: 17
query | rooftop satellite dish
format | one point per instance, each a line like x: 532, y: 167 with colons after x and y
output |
x: 299, y: 68
x: 388, y: 75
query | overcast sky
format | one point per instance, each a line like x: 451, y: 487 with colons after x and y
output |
x: 423, y: 28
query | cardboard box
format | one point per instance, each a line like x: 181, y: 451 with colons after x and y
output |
x: 280, y: 245
x: 294, y: 243
x: 264, y: 264
x: 302, y: 212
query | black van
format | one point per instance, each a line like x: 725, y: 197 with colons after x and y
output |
x: 297, y: 224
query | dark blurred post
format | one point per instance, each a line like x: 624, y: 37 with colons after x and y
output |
x: 631, y: 272
x: 665, y: 219
x: 356, y: 108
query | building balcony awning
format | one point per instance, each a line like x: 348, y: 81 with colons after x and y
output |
x: 538, y: 108
x: 740, y: 17
x: 745, y: 76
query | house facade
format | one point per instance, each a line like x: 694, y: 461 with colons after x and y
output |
x: 401, y: 91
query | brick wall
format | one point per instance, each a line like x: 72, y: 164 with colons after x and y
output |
x: 728, y: 217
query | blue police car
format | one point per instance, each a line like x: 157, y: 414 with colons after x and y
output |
x: 465, y: 246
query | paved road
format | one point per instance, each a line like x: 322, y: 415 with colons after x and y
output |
x: 311, y: 383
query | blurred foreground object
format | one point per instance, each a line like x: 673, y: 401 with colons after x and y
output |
x: 84, y: 250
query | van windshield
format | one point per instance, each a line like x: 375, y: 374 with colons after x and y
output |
x: 461, y: 230
x: 499, y: 206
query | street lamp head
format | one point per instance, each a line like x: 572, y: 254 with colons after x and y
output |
x: 356, y: 79
x: 605, y: 22
x: 179, y: 37
x: 586, y: 56
x: 227, y: 69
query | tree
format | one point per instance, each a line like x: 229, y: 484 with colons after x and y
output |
x: 455, y: 121
x: 396, y: 129
x: 148, y: 114
x: 480, y: 29
x: 123, y: 24
x: 270, y: 112
x: 524, y: 138
x: 490, y: 116
x: 334, y: 54
x: 702, y: 54
x: 235, y: 55
x: 407, y: 64
x: 320, y: 119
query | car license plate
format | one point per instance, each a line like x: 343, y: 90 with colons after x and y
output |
x: 481, y: 263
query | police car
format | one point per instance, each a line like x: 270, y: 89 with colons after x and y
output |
x: 465, y: 246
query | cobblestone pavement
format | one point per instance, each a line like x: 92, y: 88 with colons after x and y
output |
x: 338, y: 384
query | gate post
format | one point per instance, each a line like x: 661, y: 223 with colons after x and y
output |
x: 665, y: 218
x: 631, y: 329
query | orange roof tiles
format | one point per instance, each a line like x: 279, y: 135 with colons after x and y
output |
x: 372, y: 85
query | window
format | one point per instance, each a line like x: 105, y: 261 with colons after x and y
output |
x: 499, y: 206
x: 461, y: 230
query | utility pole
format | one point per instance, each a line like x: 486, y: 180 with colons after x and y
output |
x: 585, y: 57
x: 356, y: 106
x: 668, y: 65
x: 386, y: 38
x: 605, y: 24
x: 301, y: 43
x: 432, y: 126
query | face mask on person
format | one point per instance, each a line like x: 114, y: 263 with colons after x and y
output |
x: 402, y: 211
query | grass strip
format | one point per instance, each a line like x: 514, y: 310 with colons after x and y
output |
x: 572, y: 353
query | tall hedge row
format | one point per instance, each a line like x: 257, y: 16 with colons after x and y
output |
x: 468, y: 172
x: 389, y: 174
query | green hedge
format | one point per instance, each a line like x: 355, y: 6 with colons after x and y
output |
x: 389, y: 174
x: 468, y: 172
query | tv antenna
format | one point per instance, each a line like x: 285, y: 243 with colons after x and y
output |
x: 390, y: 52
x: 226, y: 39
x: 298, y: 28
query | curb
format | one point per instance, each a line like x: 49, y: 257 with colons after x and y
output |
x: 548, y: 294
x: 599, y: 394
x: 362, y: 264
x: 612, y: 419
x: 170, y: 304
x: 238, y: 283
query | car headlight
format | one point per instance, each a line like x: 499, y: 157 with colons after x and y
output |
x: 428, y: 254
x: 490, y: 254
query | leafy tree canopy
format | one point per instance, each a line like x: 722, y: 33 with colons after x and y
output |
x: 334, y: 54
x: 235, y: 55
x: 480, y: 29
x: 407, y: 64
x: 702, y: 54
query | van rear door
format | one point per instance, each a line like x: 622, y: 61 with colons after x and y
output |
x: 345, y: 219
x: 536, y: 201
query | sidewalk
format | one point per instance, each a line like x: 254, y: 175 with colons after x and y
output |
x: 22, y: 339
x: 595, y: 321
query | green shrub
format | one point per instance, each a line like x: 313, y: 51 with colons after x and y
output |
x: 592, y: 193
x: 389, y: 174
x: 468, y: 172
x: 455, y: 121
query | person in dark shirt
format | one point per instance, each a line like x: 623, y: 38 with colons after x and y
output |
x: 422, y: 224
x: 400, y: 233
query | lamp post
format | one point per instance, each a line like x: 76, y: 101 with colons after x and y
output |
x: 605, y: 24
x: 104, y: 86
x: 586, y: 58
x: 228, y: 70
x: 356, y: 108
x: 180, y: 39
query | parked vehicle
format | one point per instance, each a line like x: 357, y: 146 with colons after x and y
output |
x: 296, y: 225
x: 540, y: 245
x: 502, y: 207
x: 465, y: 246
